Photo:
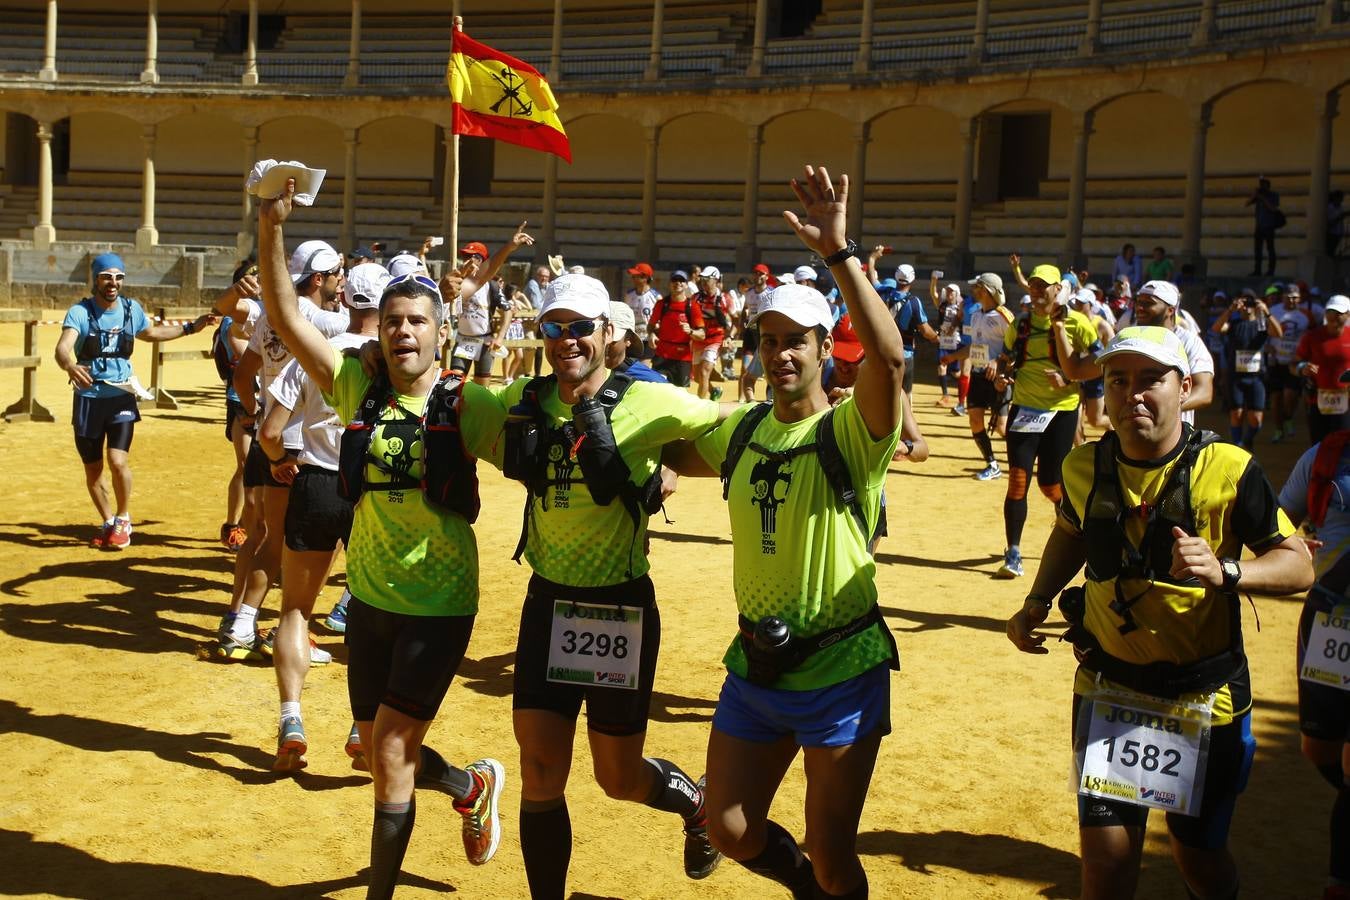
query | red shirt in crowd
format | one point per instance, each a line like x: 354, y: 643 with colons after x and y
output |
x: 1330, y: 353
x: 668, y: 320
x: 716, y: 311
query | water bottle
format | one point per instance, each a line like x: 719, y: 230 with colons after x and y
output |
x: 772, y: 635
x: 588, y: 416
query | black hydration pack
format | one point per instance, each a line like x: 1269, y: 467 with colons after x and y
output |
x: 532, y: 442
x: 449, y: 473
x: 91, y: 348
x: 825, y: 446
x: 1112, y: 557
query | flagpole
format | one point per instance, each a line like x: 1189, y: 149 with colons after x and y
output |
x: 450, y: 216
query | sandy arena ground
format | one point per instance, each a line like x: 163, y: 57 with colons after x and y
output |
x: 137, y: 769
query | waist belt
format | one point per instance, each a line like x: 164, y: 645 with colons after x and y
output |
x: 817, y: 642
x: 764, y: 667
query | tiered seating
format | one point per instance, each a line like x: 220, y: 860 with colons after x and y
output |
x: 111, y: 46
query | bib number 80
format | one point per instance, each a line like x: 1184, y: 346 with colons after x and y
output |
x: 586, y: 643
x: 1337, y: 650
x: 1146, y: 756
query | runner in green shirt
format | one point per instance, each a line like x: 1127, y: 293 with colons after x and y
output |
x: 412, y: 563
x: 811, y: 667
x: 587, y: 444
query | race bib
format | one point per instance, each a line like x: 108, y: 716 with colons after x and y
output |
x: 595, y: 645
x: 1285, y: 347
x: 468, y: 348
x: 979, y: 355
x: 1248, y: 361
x: 1331, y: 402
x: 1327, y: 657
x: 949, y: 341
x: 1143, y: 750
x: 1031, y: 421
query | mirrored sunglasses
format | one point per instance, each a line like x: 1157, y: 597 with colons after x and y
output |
x: 578, y: 329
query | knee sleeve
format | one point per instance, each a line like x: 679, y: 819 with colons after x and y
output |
x: 1053, y: 492
x: 1017, y: 483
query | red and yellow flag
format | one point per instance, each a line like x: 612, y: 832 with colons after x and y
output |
x: 501, y: 97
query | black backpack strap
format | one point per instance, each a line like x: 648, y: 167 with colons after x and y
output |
x: 836, y: 471
x: 740, y: 439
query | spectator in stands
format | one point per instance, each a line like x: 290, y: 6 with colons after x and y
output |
x: 750, y: 365
x: 642, y: 299
x: 676, y: 322
x: 1129, y: 265
x: 479, y: 299
x: 1335, y: 222
x: 1160, y: 267
x: 716, y: 311
x: 534, y: 288
x: 1268, y: 219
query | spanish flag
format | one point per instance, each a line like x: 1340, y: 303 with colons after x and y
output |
x: 501, y: 97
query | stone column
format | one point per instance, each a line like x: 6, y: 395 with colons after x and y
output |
x: 761, y: 38
x: 646, y: 248
x: 555, y: 54
x: 1204, y: 30
x: 244, y: 238
x: 1328, y: 15
x: 150, y: 75
x: 862, y: 63
x: 1073, y: 220
x: 658, y: 40
x: 548, y: 241
x: 960, y: 261
x: 862, y: 133
x: 1094, y: 29
x: 353, y: 76
x: 747, y: 251
x: 44, y: 235
x: 1315, y: 264
x: 147, y: 236
x: 48, y: 72
x: 981, y: 32
x: 1195, y: 190
x: 352, y: 138
x: 251, y: 51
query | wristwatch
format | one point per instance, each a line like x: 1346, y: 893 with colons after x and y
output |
x: 1232, y: 573
x: 850, y: 249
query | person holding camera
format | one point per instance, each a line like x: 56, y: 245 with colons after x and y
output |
x: 1045, y: 351
x: 1245, y: 328
x: 810, y: 668
x: 1157, y: 515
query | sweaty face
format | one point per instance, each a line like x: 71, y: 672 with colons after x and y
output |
x: 1149, y: 310
x: 409, y: 336
x: 1143, y: 399
x: 574, y: 359
x: 790, y: 354
x: 108, y: 285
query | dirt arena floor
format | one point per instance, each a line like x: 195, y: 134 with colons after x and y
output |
x: 135, y: 769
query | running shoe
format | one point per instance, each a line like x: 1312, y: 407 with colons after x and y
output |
x: 337, y: 619
x: 232, y: 536
x: 989, y: 473
x: 1274, y: 438
x: 119, y: 537
x: 355, y: 752
x: 700, y: 856
x: 291, y: 746
x: 959, y: 409
x: 232, y: 649
x: 100, y: 540
x: 317, y: 655
x: 482, y: 828
x: 1012, y: 565
x: 715, y: 393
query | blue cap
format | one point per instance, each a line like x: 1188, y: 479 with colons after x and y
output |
x: 1072, y: 279
x: 107, y: 262
x: 887, y: 284
x: 679, y: 275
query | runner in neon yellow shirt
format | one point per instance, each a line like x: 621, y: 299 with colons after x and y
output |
x: 811, y: 667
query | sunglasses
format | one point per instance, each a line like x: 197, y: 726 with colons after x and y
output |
x: 333, y: 273
x: 423, y: 280
x: 579, y: 329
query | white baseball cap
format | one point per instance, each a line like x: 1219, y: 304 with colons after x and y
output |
x: 621, y: 317
x: 580, y: 294
x: 905, y: 273
x: 311, y: 257
x: 711, y: 272
x: 804, y: 273
x: 1165, y: 291
x: 1338, y: 304
x: 405, y: 264
x: 787, y: 278
x: 365, y: 285
x: 804, y: 305
x: 1158, y: 344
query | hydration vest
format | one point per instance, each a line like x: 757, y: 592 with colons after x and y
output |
x: 1321, y: 480
x: 91, y: 348
x: 1112, y: 557
x: 449, y: 473
x: 1019, y: 347
x: 533, y: 441
x: 825, y: 446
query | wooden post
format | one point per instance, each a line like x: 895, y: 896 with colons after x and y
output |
x: 27, y: 408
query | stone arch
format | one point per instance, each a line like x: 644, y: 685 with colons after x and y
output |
x: 315, y: 142
x: 199, y: 143
x: 794, y: 138
x: 1247, y: 118
x: 400, y: 146
x: 702, y: 146
x: 1139, y: 133
x: 914, y: 143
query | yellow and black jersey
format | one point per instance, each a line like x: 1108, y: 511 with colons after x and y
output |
x: 1233, y: 505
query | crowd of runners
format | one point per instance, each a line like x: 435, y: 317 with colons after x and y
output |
x: 362, y: 395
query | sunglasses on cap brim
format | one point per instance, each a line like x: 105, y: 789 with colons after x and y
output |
x: 423, y: 280
x: 577, y: 329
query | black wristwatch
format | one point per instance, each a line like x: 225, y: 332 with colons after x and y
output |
x: 838, y: 256
x: 1232, y: 573
x: 909, y: 446
x: 285, y: 456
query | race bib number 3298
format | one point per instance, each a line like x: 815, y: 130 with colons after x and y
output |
x: 1145, y: 753
x: 594, y: 645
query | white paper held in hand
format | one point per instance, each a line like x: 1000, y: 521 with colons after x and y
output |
x: 267, y: 181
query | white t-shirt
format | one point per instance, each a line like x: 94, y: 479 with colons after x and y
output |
x: 322, y: 430
x: 275, y: 354
x: 1200, y: 359
x: 987, y: 330
x: 642, y: 306
x: 475, y: 317
x: 1294, y: 322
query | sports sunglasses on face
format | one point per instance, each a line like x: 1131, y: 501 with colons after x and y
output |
x: 578, y: 329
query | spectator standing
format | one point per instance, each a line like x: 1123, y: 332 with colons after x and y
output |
x: 1268, y: 219
x: 1128, y: 265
